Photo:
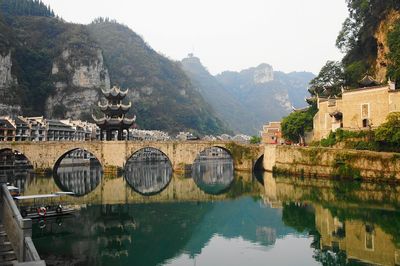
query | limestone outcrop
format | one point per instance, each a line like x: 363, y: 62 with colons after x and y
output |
x: 7, y: 80
x: 77, y: 82
x: 381, y: 35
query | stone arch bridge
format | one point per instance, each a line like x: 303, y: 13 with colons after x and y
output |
x: 111, y: 154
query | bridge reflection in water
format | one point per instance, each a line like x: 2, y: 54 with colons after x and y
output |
x: 80, y: 179
x: 213, y: 170
x: 148, y: 171
x: 78, y: 171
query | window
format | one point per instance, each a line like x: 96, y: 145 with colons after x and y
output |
x: 365, y: 110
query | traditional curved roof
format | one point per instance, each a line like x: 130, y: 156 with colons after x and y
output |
x: 114, y: 121
x: 114, y: 107
x: 368, y: 81
x: 115, y: 92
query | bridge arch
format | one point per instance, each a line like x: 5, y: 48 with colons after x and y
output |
x: 140, y: 149
x: 214, y: 146
x: 258, y: 165
x: 61, y: 155
x: 15, y: 152
x: 79, y: 173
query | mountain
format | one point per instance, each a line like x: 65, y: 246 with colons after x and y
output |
x: 53, y: 68
x: 248, y: 99
x: 226, y: 106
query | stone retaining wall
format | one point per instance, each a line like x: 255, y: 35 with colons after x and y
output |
x: 329, y: 162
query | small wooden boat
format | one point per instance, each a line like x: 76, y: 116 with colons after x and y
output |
x: 44, y: 205
x: 14, y: 191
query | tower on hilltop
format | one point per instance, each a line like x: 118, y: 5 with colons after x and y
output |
x: 114, y: 119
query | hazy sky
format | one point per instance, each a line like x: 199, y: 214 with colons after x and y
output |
x: 291, y: 35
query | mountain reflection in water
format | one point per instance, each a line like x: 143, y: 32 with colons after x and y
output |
x: 315, y: 221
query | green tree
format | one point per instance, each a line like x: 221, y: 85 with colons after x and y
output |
x: 329, y: 80
x: 388, y: 133
x: 295, y: 125
x: 255, y: 139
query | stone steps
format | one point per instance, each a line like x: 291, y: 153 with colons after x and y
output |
x: 8, y: 263
x: 5, y: 246
x: 3, y: 239
x: 7, y: 254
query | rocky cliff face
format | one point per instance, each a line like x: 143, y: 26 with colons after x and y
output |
x: 78, y: 90
x: 8, y: 106
x: 381, y: 35
x: 6, y: 78
x: 263, y: 74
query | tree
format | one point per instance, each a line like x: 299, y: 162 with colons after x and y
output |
x: 348, y: 35
x: 255, y: 139
x: 295, y: 125
x: 329, y: 80
x: 388, y: 133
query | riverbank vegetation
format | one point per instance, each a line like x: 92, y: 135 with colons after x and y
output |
x: 296, y: 124
x: 385, y: 138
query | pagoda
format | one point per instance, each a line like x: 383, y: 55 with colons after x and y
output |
x: 114, y: 119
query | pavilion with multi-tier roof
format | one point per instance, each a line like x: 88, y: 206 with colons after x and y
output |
x: 114, y: 118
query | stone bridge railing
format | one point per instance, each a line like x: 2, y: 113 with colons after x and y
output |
x: 19, y: 231
x: 44, y: 155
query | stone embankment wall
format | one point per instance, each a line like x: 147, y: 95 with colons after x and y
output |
x: 328, y: 162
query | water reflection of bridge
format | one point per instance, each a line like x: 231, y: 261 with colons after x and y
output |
x: 80, y: 179
x: 148, y: 177
x: 213, y: 176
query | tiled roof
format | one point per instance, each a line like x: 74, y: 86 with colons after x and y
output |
x: 4, y: 123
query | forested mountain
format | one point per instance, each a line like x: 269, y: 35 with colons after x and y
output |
x: 248, y: 99
x: 52, y: 68
x: 25, y: 8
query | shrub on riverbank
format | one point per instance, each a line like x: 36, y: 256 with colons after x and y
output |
x: 385, y: 138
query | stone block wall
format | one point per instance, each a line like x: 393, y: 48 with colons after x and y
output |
x: 329, y: 162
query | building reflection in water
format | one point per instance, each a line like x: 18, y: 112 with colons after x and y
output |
x: 15, y: 168
x: 213, y: 170
x: 78, y: 171
x: 148, y: 171
x: 352, y: 223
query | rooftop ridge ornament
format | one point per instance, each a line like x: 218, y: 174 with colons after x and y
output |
x: 114, y: 112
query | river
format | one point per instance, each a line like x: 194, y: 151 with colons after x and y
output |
x: 148, y: 215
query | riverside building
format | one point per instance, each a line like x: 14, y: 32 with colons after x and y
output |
x: 358, y: 109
